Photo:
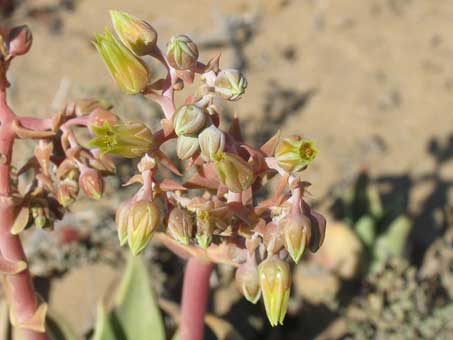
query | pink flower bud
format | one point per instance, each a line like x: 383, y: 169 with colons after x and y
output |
x: 91, y: 182
x: 180, y: 225
x: 182, y: 53
x: 20, y: 39
x: 247, y: 280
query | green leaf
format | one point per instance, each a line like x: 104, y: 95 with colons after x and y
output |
x: 365, y: 229
x: 137, y: 311
x: 104, y: 329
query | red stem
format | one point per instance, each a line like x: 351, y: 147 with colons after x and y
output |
x: 19, y: 286
x: 195, y: 293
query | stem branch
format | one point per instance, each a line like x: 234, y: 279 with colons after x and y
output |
x: 194, y: 298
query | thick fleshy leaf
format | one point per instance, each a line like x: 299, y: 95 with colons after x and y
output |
x: 137, y: 311
x: 104, y: 329
x: 58, y: 329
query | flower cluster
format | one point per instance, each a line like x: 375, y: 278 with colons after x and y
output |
x: 226, y: 223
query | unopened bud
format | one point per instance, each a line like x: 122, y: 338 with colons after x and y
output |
x: 275, y: 282
x: 40, y: 219
x: 99, y: 116
x: 19, y: 40
x: 212, y: 141
x: 139, y: 36
x: 144, y: 218
x: 247, y: 280
x: 130, y: 72
x: 182, y: 53
x: 186, y: 147
x: 67, y: 192
x: 122, y: 221
x: 230, y: 84
x: 67, y: 170
x: 91, y: 182
x: 146, y: 163
x: 294, y: 154
x: 297, y: 233
x: 189, y: 119
x: 129, y: 140
x: 204, y: 229
x: 180, y: 225
x: 233, y: 171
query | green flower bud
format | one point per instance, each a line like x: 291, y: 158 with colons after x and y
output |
x: 293, y: 154
x: 230, y: 84
x: 139, y: 36
x: 297, y: 234
x: 182, y: 53
x: 180, y: 225
x: 205, y: 228
x: 144, y: 217
x: 67, y: 192
x: 247, y: 280
x: 275, y: 282
x: 186, y: 147
x: 233, y: 171
x: 131, y: 74
x: 212, y: 141
x: 128, y: 140
x: 91, y: 182
x: 189, y: 119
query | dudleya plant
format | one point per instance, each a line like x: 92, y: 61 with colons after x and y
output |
x: 226, y: 223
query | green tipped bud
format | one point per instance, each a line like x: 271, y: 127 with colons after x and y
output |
x: 182, y: 53
x: 144, y: 217
x: 189, y: 119
x: 247, y: 281
x: 205, y: 228
x: 130, y: 73
x: 233, y: 171
x: 122, y: 221
x: 186, y: 147
x: 128, y: 140
x: 297, y: 234
x: 91, y: 182
x: 139, y: 36
x: 275, y: 282
x: 180, y: 225
x: 212, y: 141
x: 41, y: 217
x: 294, y: 154
x: 230, y: 84
x: 67, y: 192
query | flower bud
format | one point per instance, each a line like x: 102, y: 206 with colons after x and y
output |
x: 67, y: 170
x: 99, y: 116
x: 40, y: 217
x: 84, y: 107
x: 182, y: 53
x: 146, y: 163
x: 247, y: 280
x: 293, y: 154
x: 19, y: 40
x: 189, y: 119
x: 233, y: 171
x: 144, y: 217
x: 275, y: 282
x: 128, y: 140
x: 297, y: 233
x: 91, y: 182
x: 180, y: 225
x: 212, y: 141
x: 122, y: 220
x: 186, y: 147
x: 139, y: 36
x: 67, y: 192
x: 130, y: 73
x: 230, y: 84
x: 205, y: 229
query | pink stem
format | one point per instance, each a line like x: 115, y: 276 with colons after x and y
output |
x: 19, y: 286
x: 194, y: 298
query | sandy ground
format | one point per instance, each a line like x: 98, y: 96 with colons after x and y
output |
x: 370, y: 81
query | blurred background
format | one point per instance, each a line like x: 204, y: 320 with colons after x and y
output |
x: 370, y: 81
